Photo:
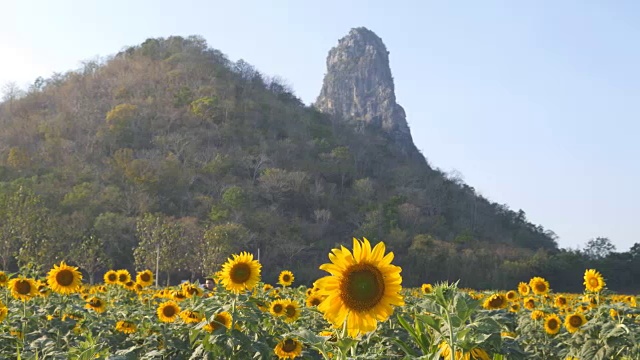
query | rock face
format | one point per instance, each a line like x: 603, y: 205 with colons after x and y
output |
x: 358, y: 86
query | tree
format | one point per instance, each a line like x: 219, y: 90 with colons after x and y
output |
x: 89, y: 254
x: 598, y: 248
x: 22, y: 224
x: 218, y: 242
x: 158, y: 246
x: 11, y: 92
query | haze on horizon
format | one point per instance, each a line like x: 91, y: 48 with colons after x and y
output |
x: 536, y: 105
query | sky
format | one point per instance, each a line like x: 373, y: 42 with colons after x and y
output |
x: 534, y: 104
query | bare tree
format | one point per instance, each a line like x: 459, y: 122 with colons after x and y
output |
x: 10, y: 93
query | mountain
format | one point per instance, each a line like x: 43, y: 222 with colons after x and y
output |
x: 358, y: 87
x: 169, y: 151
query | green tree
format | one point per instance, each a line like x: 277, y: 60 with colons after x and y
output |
x: 218, y: 242
x: 598, y: 248
x: 23, y: 220
x: 89, y: 254
x: 158, y: 246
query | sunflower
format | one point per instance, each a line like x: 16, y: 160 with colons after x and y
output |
x: 427, y: 288
x: 129, y: 285
x: 313, y: 300
x: 144, y: 278
x: 593, y: 280
x: 631, y: 300
x: 552, y: 324
x: 96, y: 304
x: 192, y: 290
x: 529, y: 303
x: 179, y: 295
x: 308, y: 292
x: 276, y: 308
x: 17, y: 333
x: 240, y: 272
x: 561, y: 301
x: 445, y: 351
x: 495, y: 301
x: 126, y: 327
x: 42, y: 289
x: 111, y: 277
x: 291, y: 311
x: 22, y: 288
x: 168, y: 311
x: 613, y: 313
x: 3, y: 279
x: 220, y: 320
x: 123, y: 276
x: 523, y: 289
x: 286, y: 278
x: 98, y: 289
x: 512, y: 295
x: 537, y: 315
x: 539, y: 285
x: 191, y: 317
x: 508, y: 334
x: 64, y: 279
x: 362, y: 287
x: 574, y: 321
x: 478, y: 354
x: 267, y: 287
x: 288, y: 349
x: 3, y: 312
x: 515, y: 307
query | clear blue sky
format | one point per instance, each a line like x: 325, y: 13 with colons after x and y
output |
x: 536, y: 104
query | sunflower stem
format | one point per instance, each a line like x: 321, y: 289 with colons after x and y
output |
x: 451, y: 343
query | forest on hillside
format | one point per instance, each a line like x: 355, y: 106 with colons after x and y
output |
x: 170, y: 153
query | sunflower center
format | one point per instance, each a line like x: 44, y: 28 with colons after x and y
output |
x: 145, y: 277
x: 575, y: 321
x: 562, y: 301
x: 286, y: 278
x: 64, y: 277
x: 277, y: 308
x: 112, y: 277
x: 240, y: 273
x: 496, y: 302
x: 541, y: 287
x: 315, y: 301
x: 552, y: 324
x: 168, y: 311
x: 122, y: 278
x: 288, y: 345
x: 362, y: 287
x: 290, y: 310
x: 593, y: 282
x: 3, y: 278
x: 23, y: 287
x: 221, y: 319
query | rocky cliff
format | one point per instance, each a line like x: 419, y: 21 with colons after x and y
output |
x: 358, y: 86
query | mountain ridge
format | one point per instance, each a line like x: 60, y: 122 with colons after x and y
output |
x: 173, y: 135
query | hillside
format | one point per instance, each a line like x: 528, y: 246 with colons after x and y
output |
x: 169, y: 145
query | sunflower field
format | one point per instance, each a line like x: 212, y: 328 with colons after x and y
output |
x: 358, y: 311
